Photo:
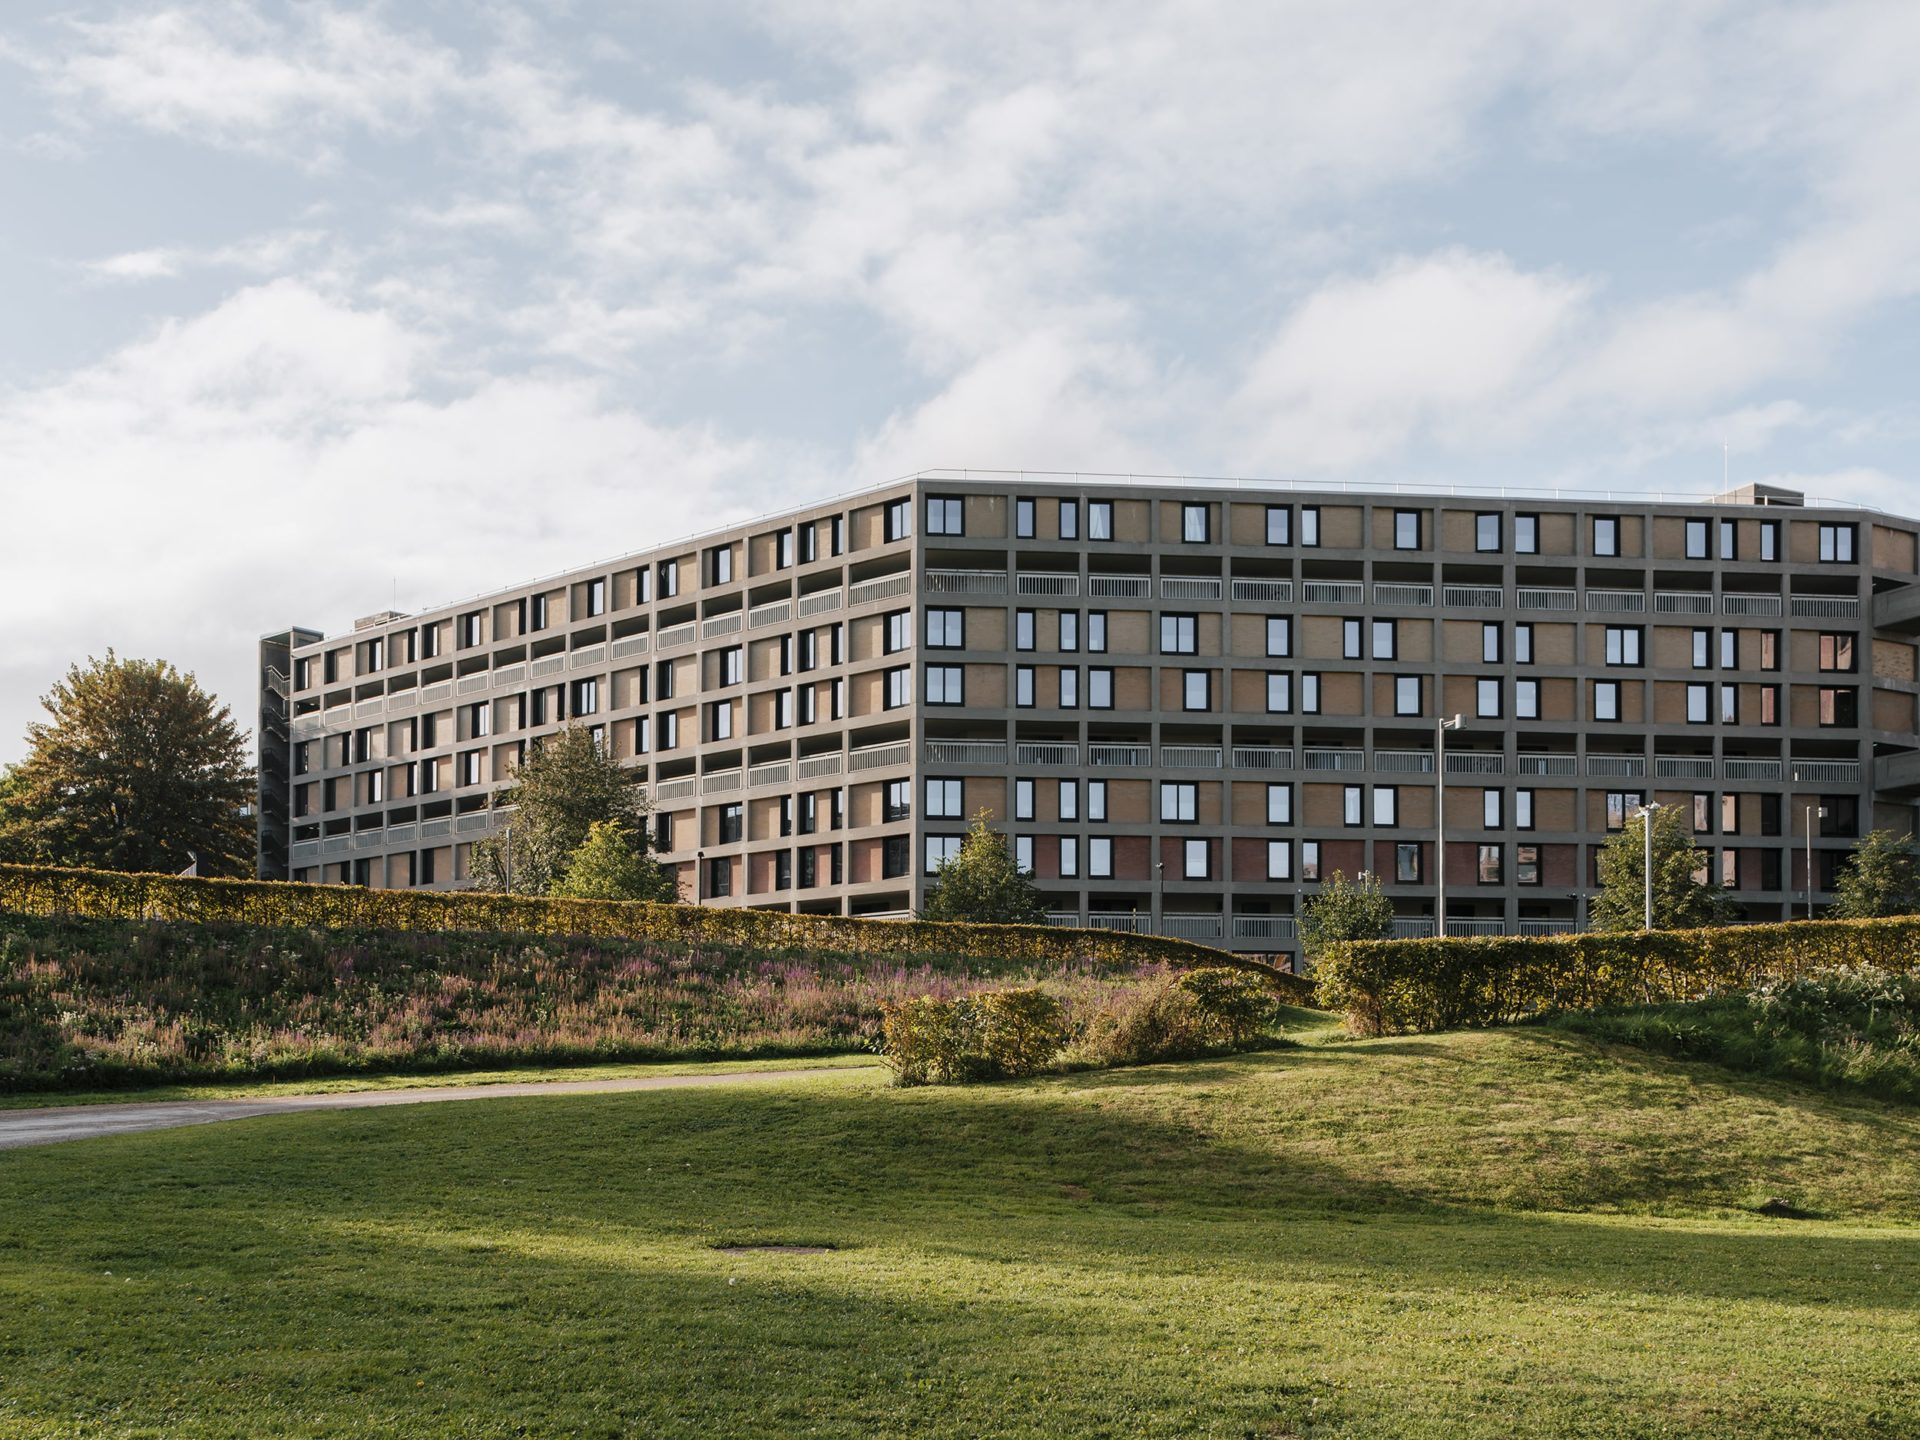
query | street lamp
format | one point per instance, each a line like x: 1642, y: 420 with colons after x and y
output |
x: 1440, y: 824
x: 1646, y: 829
x: 1810, y: 816
x: 1160, y: 866
x: 699, y: 870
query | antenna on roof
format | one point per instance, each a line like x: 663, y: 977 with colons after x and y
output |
x: 1726, y: 465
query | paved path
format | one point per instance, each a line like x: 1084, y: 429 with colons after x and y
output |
x: 53, y: 1124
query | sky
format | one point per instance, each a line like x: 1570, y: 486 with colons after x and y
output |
x: 312, y: 309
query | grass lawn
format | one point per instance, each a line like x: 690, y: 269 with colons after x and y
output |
x: 1485, y: 1234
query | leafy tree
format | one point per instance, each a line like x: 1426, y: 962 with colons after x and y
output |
x: 14, y: 847
x: 565, y: 786
x: 982, y: 884
x: 1345, y: 910
x: 1882, y: 878
x: 1681, y: 901
x: 137, y: 769
x: 611, y: 864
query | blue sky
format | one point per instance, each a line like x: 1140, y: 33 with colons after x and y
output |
x: 309, y: 307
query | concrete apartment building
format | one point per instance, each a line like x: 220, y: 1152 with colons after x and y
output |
x: 1188, y: 704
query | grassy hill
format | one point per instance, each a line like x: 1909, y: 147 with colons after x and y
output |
x: 1475, y: 1234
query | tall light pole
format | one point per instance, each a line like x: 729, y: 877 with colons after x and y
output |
x: 1440, y: 824
x: 1646, y: 831
x: 1810, y: 816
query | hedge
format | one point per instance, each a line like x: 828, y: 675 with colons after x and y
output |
x: 50, y: 890
x: 1401, y: 986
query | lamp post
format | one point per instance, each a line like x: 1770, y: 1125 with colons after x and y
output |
x: 1160, y: 868
x: 1646, y: 831
x: 699, y: 869
x: 1440, y: 824
x: 1810, y: 818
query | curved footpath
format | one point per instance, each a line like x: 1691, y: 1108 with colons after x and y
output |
x: 52, y: 1125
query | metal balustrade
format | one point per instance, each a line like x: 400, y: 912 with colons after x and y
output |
x: 1738, y: 604
x: 1329, y: 759
x: 1133, y: 756
x: 678, y: 788
x: 675, y: 635
x: 776, y: 773
x: 1045, y: 752
x: 439, y: 690
x: 874, y: 757
x: 400, y: 834
x: 1546, y: 764
x: 1262, y: 757
x: 1536, y: 597
x: 813, y: 767
x: 966, y: 752
x: 1682, y: 602
x: 1119, y: 587
x: 1064, y: 919
x: 965, y: 582
x: 1134, y: 922
x: 1547, y: 926
x: 1744, y: 769
x: 507, y: 678
x: 1826, y: 607
x: 869, y: 592
x: 1465, y: 925
x: 367, y: 709
x: 1035, y: 582
x: 1617, y: 767
x: 631, y: 646
x: 1683, y: 767
x: 821, y: 602
x: 1616, y: 602
x: 772, y: 613
x: 1263, y: 927
x: 1192, y: 927
x: 468, y: 684
x: 592, y: 655
x: 304, y: 850
x: 550, y: 665
x: 1410, y: 927
x: 1190, y: 757
x: 433, y: 829
x: 1333, y: 592
x: 1390, y: 593
x: 1403, y: 762
x: 1473, y: 597
x: 1475, y: 762
x: 397, y: 704
x: 715, y: 626
x: 1189, y: 587
x: 1270, y: 592
x: 719, y: 782
x: 1825, y: 772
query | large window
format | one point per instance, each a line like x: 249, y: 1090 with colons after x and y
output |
x: 944, y: 799
x: 946, y: 629
x: 1024, y: 630
x: 1179, y: 634
x: 1487, y: 699
x: 1350, y: 805
x: 1069, y: 519
x: 1194, y: 526
x: 1179, y: 802
x: 1836, y: 653
x: 1526, y: 699
x: 1406, y: 695
x: 1769, y: 540
x: 1350, y: 640
x: 899, y: 630
x: 1100, y: 857
x: 1023, y: 519
x: 1490, y: 865
x: 1490, y: 649
x: 1198, y: 860
x: 1279, y: 693
x: 946, y: 515
x: 1606, y: 699
x: 1839, y: 706
x: 1023, y: 686
x: 1836, y: 544
x: 946, y: 685
x: 1406, y: 863
x: 1606, y: 535
x: 1697, y: 532
x: 1310, y: 525
x: 1279, y: 524
x: 1196, y: 691
x: 899, y: 687
x: 1069, y: 631
x: 1526, y: 534
x: 1623, y: 644
x: 897, y: 520
x: 1386, y: 639
x: 1099, y: 688
x: 1279, y: 860
x: 1386, y: 806
x: 1023, y: 791
x: 1279, y: 635
x: 1486, y: 532
x: 1099, y: 520
x: 1279, y: 804
x: 1406, y: 529
x: 1697, y: 702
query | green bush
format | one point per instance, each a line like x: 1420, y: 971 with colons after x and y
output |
x: 1179, y: 1017
x: 1397, y: 986
x: 960, y: 1039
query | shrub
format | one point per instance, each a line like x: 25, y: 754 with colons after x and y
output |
x: 1395, y: 986
x: 959, y: 1039
x: 1178, y: 1017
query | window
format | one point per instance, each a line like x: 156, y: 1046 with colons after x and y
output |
x: 1279, y: 860
x: 597, y: 589
x: 1490, y: 642
x: 944, y: 798
x: 1406, y: 864
x: 946, y: 515
x: 898, y: 634
x: 940, y: 849
x: 1194, y: 527
x: 1490, y: 865
x: 1179, y: 802
x: 1606, y: 535
x: 897, y: 520
x: 1197, y: 865
x: 1310, y: 694
x: 721, y: 724
x: 1838, y: 706
x: 893, y: 855
x: 1526, y: 699
x: 1309, y: 524
x: 1069, y: 630
x: 1769, y: 649
x: 1523, y: 643
x: 782, y: 549
x: 1099, y: 688
x: 1406, y: 695
x: 1197, y: 690
x: 782, y: 709
x: 468, y: 628
x: 480, y: 716
x: 1836, y: 544
x: 1769, y: 704
x: 1350, y: 803
x: 586, y: 698
x: 946, y: 629
x: 1099, y: 520
x: 946, y: 685
x: 1623, y: 805
x: 1696, y: 540
x: 1702, y: 651
x: 1836, y: 653
x: 1492, y: 803
x: 1729, y: 704
x: 1486, y: 533
x: 1526, y: 864
x: 1606, y: 699
x: 1069, y: 519
x: 376, y: 652
x: 1179, y: 634
x: 1097, y: 632
x: 733, y: 665
x: 1069, y: 857
x: 1487, y: 699
x: 537, y: 619
x: 1309, y: 859
x: 1623, y: 644
x: 1279, y: 635
x: 1024, y: 630
x: 1729, y: 815
x: 1069, y: 687
x: 1100, y: 857
x: 1729, y: 540
x: 1279, y: 804
x: 1386, y: 639
x: 1279, y: 524
x: 1023, y: 519
x: 1697, y: 704
x: 899, y: 687
x: 1023, y: 686
x: 1069, y: 799
x: 1769, y: 540
x: 1729, y: 649
x: 470, y: 768
x: 668, y: 727
x: 732, y: 818
x: 1023, y: 791
x: 669, y: 578
x: 1526, y: 534
x: 429, y: 641
x: 1523, y: 809
x: 1349, y: 639
x: 1406, y: 529
x: 1386, y: 805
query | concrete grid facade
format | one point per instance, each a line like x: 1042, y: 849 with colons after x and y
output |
x: 1187, y: 704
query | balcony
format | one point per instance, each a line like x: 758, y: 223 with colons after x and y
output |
x: 1193, y: 927
x: 1682, y: 602
x: 1825, y: 772
x: 960, y: 582
x: 1386, y: 593
x: 1534, y: 597
x: 1897, y: 608
x: 1737, y: 769
x: 1119, y: 587
x: 1475, y: 762
x: 676, y: 635
x: 1753, y: 605
x: 1473, y: 597
x: 719, y: 782
x: 1616, y: 767
x: 1683, y: 767
x: 1329, y: 759
x: 963, y: 752
x: 712, y: 628
x: 1138, y: 757
x: 774, y: 613
x: 1185, y: 587
x: 1190, y: 757
x: 1264, y: 927
x: 876, y: 757
x: 679, y: 788
x: 1616, y: 602
x: 1045, y: 752
x: 813, y: 767
x: 1033, y: 582
x: 1332, y: 592
x: 1826, y: 607
x: 777, y: 772
x: 821, y: 602
x: 1546, y: 764
x: 1267, y: 592
x: 1403, y: 762
x: 1897, y: 773
x: 1262, y: 757
x: 871, y: 592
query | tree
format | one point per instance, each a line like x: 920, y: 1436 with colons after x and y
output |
x: 981, y: 883
x: 612, y: 865
x: 14, y: 847
x: 566, y: 784
x: 1343, y: 910
x: 1882, y: 878
x: 1681, y: 899
x: 137, y: 769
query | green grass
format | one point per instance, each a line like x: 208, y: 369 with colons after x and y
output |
x: 1481, y: 1234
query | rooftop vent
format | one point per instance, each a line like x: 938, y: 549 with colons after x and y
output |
x: 385, y: 617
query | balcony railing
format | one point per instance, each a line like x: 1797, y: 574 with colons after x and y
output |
x: 678, y: 788
x: 1475, y: 762
x: 1190, y: 757
x: 1683, y: 767
x: 1738, y: 604
x: 1262, y: 757
x: 822, y: 602
x: 873, y: 757
x: 1193, y: 927
x: 1463, y: 925
x: 777, y: 772
x: 1616, y: 767
x: 869, y: 592
x: 1826, y: 607
x: 1045, y: 752
x: 1188, y: 587
x: 714, y: 626
x: 1134, y: 922
x: 1547, y: 926
x: 1826, y: 772
x: 965, y: 752
x: 1320, y: 758
x: 1546, y: 764
x: 772, y: 613
x: 812, y: 767
x: 674, y: 635
x: 1388, y: 593
x: 1139, y: 757
x: 1403, y: 762
x: 963, y: 582
x: 1740, y: 769
x: 1473, y: 597
x: 1534, y: 597
x: 634, y: 645
x: 719, y: 782
x: 1270, y: 592
x: 1263, y: 927
x: 1682, y: 602
x: 1034, y: 582
x: 547, y: 665
x: 1332, y: 592
x: 1119, y: 587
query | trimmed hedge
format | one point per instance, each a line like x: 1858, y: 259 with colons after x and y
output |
x: 1398, y: 986
x: 49, y: 890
